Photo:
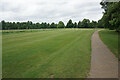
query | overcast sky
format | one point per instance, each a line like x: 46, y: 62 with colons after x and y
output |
x: 50, y: 10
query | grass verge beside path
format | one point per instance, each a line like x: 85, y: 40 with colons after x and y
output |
x: 110, y: 38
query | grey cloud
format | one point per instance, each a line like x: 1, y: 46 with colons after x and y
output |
x: 50, y: 10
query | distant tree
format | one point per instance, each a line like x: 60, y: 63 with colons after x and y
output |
x: 3, y: 24
x: 44, y: 25
x: 60, y: 25
x: 0, y: 25
x: 75, y: 25
x: 48, y: 25
x: 79, y: 24
x: 29, y: 25
x: 85, y: 23
x: 38, y: 25
x: 8, y: 25
x: 69, y: 24
x: 100, y: 24
x: 93, y: 24
x: 53, y: 25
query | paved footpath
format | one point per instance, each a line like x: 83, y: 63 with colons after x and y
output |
x: 103, y: 63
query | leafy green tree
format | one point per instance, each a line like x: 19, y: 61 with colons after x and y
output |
x: 38, y: 26
x: 75, y: 25
x: 85, y: 23
x: 3, y: 24
x: 29, y: 25
x: 100, y: 24
x: 44, y: 25
x: 48, y: 25
x: 53, y: 25
x: 69, y: 24
x: 93, y: 24
x: 104, y: 5
x: 60, y: 25
x: 111, y: 16
x: 79, y: 24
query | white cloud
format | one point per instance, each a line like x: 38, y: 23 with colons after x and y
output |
x: 50, y: 10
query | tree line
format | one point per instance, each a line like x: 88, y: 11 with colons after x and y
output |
x: 85, y: 23
x: 110, y: 19
x: 111, y: 15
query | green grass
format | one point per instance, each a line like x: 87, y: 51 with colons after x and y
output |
x: 110, y: 38
x: 62, y: 53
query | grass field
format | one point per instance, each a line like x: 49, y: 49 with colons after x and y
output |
x: 62, y: 53
x: 110, y: 38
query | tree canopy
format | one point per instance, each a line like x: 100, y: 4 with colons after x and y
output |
x: 60, y: 25
x: 111, y: 16
x: 69, y: 24
x: 85, y: 23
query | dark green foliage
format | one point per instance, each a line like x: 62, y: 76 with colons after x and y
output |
x: 70, y: 24
x: 111, y: 16
x: 75, y: 25
x: 85, y: 23
x: 79, y: 24
x: 93, y: 24
x: 30, y: 25
x: 100, y: 24
x: 60, y: 25
x: 26, y: 25
x: 104, y: 5
x: 53, y: 25
x: 3, y: 24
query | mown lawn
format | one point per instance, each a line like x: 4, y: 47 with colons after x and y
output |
x: 62, y: 53
x: 110, y: 38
